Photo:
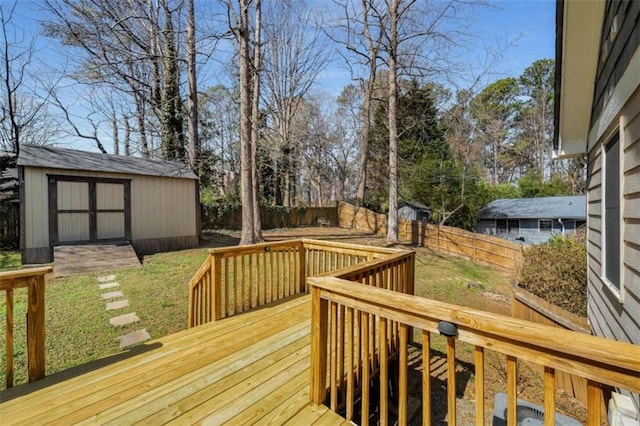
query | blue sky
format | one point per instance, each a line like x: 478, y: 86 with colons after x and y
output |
x: 531, y: 23
x: 527, y: 26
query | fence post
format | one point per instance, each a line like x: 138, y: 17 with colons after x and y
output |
x: 475, y: 248
x: 35, y: 328
x: 319, y: 312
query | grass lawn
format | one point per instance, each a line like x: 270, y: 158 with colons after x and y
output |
x: 9, y: 260
x: 77, y: 324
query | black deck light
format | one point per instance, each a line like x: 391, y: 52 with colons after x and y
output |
x: 267, y: 249
x: 447, y: 329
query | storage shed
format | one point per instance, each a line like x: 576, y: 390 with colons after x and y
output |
x: 70, y: 197
x: 532, y: 220
x: 413, y: 210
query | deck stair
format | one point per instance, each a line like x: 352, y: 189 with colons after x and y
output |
x: 83, y: 259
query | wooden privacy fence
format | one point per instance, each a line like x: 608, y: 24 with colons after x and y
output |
x: 527, y: 306
x: 34, y: 281
x: 230, y: 217
x: 9, y: 225
x: 236, y: 279
x: 357, y: 329
x: 481, y: 248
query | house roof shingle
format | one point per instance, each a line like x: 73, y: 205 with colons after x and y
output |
x: 71, y: 159
x: 563, y: 207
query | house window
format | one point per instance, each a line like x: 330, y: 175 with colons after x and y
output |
x: 611, y: 212
x: 510, y: 227
x: 545, y: 225
x: 514, y: 227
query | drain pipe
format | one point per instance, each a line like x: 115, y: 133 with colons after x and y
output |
x: 561, y: 226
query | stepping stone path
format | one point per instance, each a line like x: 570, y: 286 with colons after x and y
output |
x: 133, y: 338
x: 118, y: 304
x: 124, y: 319
x: 111, y: 295
x: 108, y: 282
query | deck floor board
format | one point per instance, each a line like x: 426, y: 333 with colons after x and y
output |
x: 252, y: 368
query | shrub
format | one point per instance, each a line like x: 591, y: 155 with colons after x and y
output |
x: 557, y: 272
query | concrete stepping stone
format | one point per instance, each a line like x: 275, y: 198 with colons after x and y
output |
x: 125, y: 319
x: 133, y: 338
x: 118, y: 304
x: 108, y: 285
x: 111, y: 295
x: 106, y: 278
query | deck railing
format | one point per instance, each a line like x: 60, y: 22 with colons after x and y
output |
x: 34, y: 281
x: 366, y: 328
x: 236, y: 279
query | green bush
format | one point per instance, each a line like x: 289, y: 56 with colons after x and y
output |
x: 557, y: 272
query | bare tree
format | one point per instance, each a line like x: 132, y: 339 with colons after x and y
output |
x: 358, y: 30
x: 293, y: 58
x: 392, y: 226
x: 130, y: 47
x: 255, y: 120
x: 242, y: 34
x: 22, y: 107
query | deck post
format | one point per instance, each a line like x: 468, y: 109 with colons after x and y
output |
x: 216, y: 283
x: 35, y: 328
x: 302, y: 273
x: 319, y: 313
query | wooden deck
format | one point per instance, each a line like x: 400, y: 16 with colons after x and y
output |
x: 251, y: 368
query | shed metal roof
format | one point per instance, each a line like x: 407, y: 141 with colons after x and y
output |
x: 564, y: 207
x: 71, y: 159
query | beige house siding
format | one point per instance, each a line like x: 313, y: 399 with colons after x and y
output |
x: 162, y: 208
x: 611, y: 315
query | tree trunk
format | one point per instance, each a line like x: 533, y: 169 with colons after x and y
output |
x: 144, y: 146
x: 114, y: 124
x: 366, y: 108
x: 392, y: 227
x: 127, y: 137
x: 153, y: 44
x: 255, y: 124
x: 192, y: 105
x: 172, y: 138
x: 246, y: 172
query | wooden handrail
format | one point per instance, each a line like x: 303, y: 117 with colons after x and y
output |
x: 599, y: 360
x: 34, y: 280
x: 235, y: 279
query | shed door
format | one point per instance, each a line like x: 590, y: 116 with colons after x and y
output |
x: 89, y: 209
x: 110, y: 211
x: 73, y: 211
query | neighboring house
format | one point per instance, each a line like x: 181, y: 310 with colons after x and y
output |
x: 70, y: 197
x: 532, y: 220
x: 413, y: 210
x: 598, y: 114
